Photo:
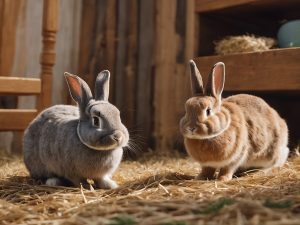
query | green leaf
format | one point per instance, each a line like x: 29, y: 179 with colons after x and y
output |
x: 278, y: 204
x: 122, y: 220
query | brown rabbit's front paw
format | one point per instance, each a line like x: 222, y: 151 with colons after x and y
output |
x: 225, y: 178
x: 207, y: 173
x: 225, y: 174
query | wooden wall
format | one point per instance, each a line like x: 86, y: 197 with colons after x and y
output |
x: 146, y: 45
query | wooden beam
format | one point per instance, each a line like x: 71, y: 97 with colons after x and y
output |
x: 20, y: 86
x: 274, y: 70
x: 16, y: 119
x: 209, y: 5
x: 203, y: 6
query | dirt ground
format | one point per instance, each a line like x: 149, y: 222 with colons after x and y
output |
x: 154, y: 190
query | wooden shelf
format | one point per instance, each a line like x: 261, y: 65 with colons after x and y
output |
x: 203, y: 6
x: 273, y: 70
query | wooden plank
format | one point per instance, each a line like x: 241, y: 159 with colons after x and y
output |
x: 203, y: 6
x: 209, y: 5
x: 8, y: 24
x: 129, y: 94
x: 87, y: 38
x: 274, y: 70
x: 191, y: 38
x: 144, y: 107
x: 67, y: 51
x: 165, y: 59
x: 20, y: 86
x: 92, y: 40
x: 122, y: 22
x: 16, y: 119
x: 109, y: 53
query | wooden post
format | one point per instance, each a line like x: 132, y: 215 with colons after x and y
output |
x: 50, y: 21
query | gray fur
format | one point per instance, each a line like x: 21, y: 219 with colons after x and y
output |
x: 62, y: 142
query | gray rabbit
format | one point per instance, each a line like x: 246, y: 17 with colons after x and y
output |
x: 66, y: 143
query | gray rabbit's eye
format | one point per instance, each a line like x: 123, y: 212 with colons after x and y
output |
x: 97, y: 121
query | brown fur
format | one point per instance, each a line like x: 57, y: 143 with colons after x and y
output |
x: 241, y: 131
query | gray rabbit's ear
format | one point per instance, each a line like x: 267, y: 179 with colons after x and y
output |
x: 102, y: 86
x: 196, y: 79
x: 79, y: 90
x: 216, y: 80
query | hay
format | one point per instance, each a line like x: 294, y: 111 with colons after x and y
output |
x: 154, y: 190
x: 243, y: 43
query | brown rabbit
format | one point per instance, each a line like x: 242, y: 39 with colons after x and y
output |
x: 238, y: 132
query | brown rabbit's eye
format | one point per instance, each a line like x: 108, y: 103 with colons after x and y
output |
x: 96, y: 121
x: 208, y: 111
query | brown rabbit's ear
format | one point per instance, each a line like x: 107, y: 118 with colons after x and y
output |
x: 102, y: 86
x: 79, y: 90
x: 216, y: 80
x: 196, y: 79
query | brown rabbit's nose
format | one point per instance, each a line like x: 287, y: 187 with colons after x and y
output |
x: 192, y: 129
x: 117, y: 136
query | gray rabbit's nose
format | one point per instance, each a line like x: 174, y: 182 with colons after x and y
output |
x: 117, y: 136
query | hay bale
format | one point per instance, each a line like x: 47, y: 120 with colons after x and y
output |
x: 243, y: 43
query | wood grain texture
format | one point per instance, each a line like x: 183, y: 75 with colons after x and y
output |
x: 20, y: 86
x: 109, y: 54
x: 130, y: 72
x: 87, y: 36
x: 274, y: 70
x: 209, y: 5
x: 16, y: 119
x: 203, y: 6
x: 144, y: 107
x: 126, y: 53
x: 66, y: 47
x: 8, y: 24
x: 165, y: 61
x: 122, y: 24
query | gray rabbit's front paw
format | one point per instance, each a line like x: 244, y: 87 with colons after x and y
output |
x: 105, y: 183
x: 54, y: 181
